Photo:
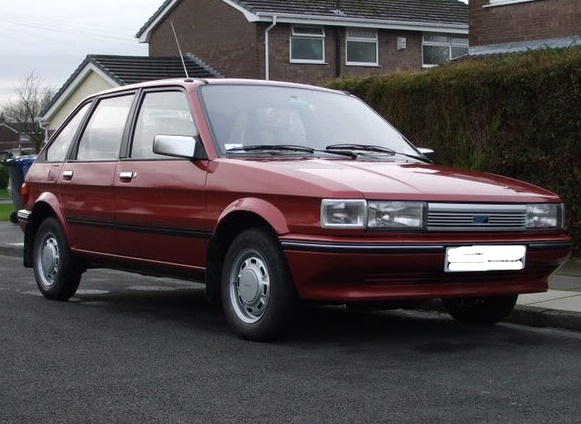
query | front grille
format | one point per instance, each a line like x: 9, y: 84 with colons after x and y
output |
x: 476, y: 217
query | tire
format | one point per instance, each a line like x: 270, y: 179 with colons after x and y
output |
x: 480, y: 311
x: 258, y: 295
x: 56, y: 271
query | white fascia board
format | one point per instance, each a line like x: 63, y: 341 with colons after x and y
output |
x: 146, y: 35
x: 250, y: 17
x: 365, y: 23
x: 74, y: 85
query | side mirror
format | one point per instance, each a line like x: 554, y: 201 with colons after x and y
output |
x: 179, y: 146
x: 429, y: 153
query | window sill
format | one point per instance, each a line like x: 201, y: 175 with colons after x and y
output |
x: 506, y: 2
x: 363, y: 64
x: 308, y: 62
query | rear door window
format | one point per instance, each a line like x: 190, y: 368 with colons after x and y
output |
x: 102, y: 137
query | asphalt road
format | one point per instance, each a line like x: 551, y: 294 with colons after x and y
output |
x: 129, y: 349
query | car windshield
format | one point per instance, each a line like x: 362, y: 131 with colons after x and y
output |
x: 254, y: 119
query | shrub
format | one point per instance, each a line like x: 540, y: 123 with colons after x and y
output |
x: 517, y: 114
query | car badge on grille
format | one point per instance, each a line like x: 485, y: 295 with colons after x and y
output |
x: 480, y: 219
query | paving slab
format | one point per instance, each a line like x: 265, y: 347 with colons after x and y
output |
x: 553, y: 299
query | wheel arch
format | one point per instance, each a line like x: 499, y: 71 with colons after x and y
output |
x: 46, y: 206
x: 237, y: 217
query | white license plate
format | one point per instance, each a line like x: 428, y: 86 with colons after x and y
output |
x: 485, y: 258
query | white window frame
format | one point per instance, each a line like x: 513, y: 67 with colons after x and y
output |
x: 310, y: 35
x: 449, y: 44
x: 351, y: 37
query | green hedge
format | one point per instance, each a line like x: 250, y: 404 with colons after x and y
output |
x: 517, y: 115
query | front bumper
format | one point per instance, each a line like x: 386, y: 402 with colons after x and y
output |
x: 348, y: 271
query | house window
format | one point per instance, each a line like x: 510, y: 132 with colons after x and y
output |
x: 307, y: 45
x: 361, y: 47
x: 438, y: 49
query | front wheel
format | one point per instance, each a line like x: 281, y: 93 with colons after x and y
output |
x: 56, y: 271
x: 258, y: 295
x: 481, y: 310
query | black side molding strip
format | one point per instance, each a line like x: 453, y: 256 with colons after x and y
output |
x: 145, y: 229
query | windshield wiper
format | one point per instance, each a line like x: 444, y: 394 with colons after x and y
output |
x: 290, y: 148
x: 272, y: 147
x: 372, y: 148
x: 362, y: 147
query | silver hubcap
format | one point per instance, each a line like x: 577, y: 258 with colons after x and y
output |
x: 49, y: 260
x: 249, y: 287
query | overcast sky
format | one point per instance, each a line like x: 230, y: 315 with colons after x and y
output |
x: 52, y: 37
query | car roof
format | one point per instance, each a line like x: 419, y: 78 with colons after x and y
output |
x: 193, y: 83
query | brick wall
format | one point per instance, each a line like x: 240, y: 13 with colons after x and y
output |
x: 390, y: 59
x: 213, y: 31
x: 534, y: 20
x: 221, y: 36
x: 8, y: 135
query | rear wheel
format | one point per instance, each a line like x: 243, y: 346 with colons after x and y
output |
x: 480, y: 310
x: 56, y: 271
x: 258, y: 295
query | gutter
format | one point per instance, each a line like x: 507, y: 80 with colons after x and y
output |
x: 267, y: 48
x: 293, y: 18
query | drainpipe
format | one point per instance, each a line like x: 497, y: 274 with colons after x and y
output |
x: 267, y: 49
x: 42, y: 123
x: 337, y: 43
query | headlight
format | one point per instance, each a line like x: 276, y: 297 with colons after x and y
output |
x: 383, y: 215
x: 343, y: 213
x: 544, y: 216
x: 395, y: 215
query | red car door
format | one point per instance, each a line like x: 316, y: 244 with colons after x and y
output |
x: 160, y: 201
x: 86, y: 183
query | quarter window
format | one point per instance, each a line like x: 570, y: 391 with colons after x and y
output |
x: 57, y: 151
x: 362, y: 47
x: 166, y: 113
x: 102, y: 137
x: 439, y: 49
x: 307, y: 45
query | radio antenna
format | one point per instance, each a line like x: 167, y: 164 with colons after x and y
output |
x: 179, y: 49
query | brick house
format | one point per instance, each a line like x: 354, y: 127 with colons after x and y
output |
x: 312, y: 41
x: 12, y: 142
x: 500, y: 26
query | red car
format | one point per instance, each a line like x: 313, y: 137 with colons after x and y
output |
x: 274, y: 193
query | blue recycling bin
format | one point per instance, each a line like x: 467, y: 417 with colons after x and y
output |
x: 17, y: 169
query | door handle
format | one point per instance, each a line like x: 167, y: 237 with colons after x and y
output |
x: 68, y: 175
x: 127, y: 176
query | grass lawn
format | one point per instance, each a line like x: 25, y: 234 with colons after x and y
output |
x: 5, y: 210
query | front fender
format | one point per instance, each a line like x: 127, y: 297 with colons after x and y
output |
x: 267, y: 211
